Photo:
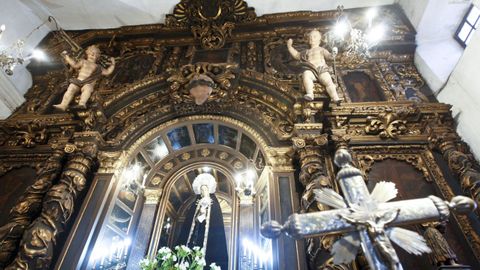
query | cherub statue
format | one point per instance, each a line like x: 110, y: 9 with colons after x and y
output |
x: 316, y: 69
x: 89, y: 72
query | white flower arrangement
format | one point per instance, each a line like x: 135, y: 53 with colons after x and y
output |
x: 181, y: 258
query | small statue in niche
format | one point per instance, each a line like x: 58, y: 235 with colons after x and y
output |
x: 200, y: 87
x: 89, y: 72
x: 316, y: 69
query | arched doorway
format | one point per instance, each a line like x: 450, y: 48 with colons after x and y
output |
x: 153, y: 190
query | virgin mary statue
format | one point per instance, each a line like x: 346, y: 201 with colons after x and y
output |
x: 203, y: 226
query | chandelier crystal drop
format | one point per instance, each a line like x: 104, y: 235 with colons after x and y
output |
x: 351, y: 38
x: 14, y: 54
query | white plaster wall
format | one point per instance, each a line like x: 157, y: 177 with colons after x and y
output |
x: 453, y: 73
x: 463, y: 92
x: 414, y: 10
x: 436, y: 22
x: 276, y: 6
x: 20, y: 20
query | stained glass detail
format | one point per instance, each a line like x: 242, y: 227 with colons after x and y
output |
x: 222, y: 183
x: 120, y: 218
x: 227, y: 136
x: 175, y: 200
x: 157, y: 149
x: 247, y: 146
x: 203, y: 133
x: 179, y: 138
x: 136, y: 170
x: 128, y: 197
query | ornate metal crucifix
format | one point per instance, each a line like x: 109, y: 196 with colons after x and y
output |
x: 367, y: 219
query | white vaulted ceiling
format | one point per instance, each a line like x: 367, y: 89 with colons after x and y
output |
x: 95, y: 14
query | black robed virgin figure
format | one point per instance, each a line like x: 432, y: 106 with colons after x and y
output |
x: 203, y: 226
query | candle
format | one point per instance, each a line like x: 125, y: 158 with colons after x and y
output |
x: 120, y: 252
x: 102, y: 261
x: 110, y: 256
x: 94, y: 262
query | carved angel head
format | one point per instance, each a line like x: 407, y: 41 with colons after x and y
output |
x: 201, y: 86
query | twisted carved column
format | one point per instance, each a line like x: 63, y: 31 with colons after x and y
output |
x: 313, y: 175
x: 461, y: 164
x: 39, y: 241
x: 28, y: 207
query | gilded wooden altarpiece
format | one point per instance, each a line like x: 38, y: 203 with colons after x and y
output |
x: 256, y: 85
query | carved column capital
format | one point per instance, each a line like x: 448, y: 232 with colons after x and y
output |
x: 281, y: 158
x: 109, y: 161
x: 152, y: 196
x: 298, y: 143
x: 340, y: 139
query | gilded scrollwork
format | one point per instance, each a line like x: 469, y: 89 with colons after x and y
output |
x: 366, y: 159
x: 310, y: 148
x: 108, y: 161
x: 388, y: 124
x: 239, y: 101
x: 390, y: 121
x: 251, y: 56
x: 30, y: 134
x: 92, y: 118
x: 340, y: 139
x: 281, y: 158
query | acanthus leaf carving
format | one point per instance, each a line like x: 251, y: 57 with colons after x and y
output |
x: 389, y: 124
x: 30, y: 134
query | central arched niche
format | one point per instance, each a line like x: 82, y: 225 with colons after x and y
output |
x: 179, y: 198
x: 162, y: 162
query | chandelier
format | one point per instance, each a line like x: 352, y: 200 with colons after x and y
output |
x: 357, y: 38
x: 14, y: 54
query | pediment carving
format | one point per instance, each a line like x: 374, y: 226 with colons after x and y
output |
x: 211, y: 22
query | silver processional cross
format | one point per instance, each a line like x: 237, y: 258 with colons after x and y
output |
x: 368, y: 220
